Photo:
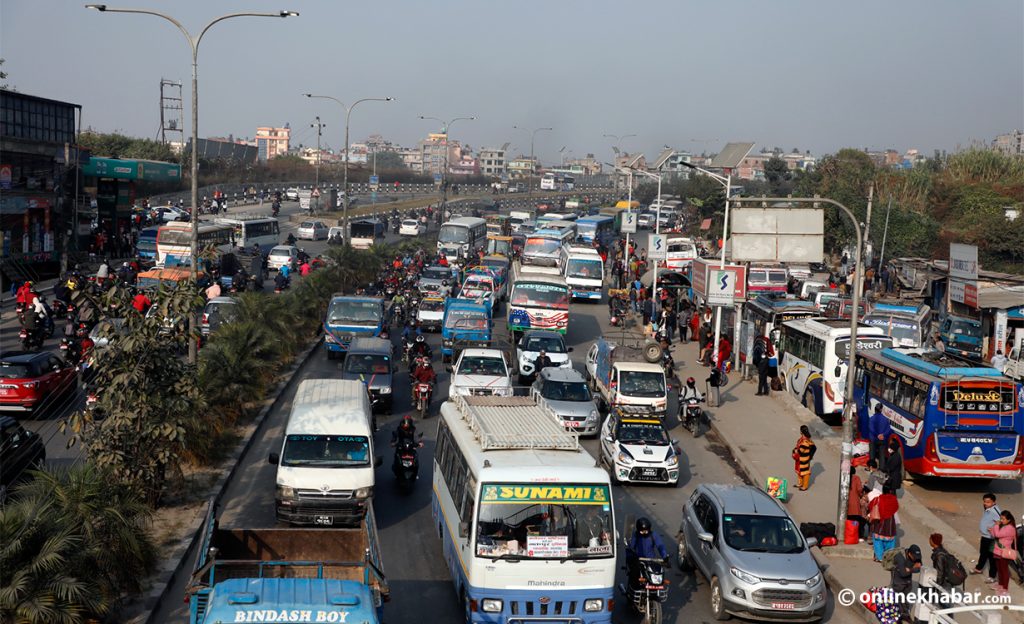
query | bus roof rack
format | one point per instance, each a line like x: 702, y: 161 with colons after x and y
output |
x: 939, y: 364
x: 507, y: 423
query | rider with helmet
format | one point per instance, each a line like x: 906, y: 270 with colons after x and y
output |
x: 405, y: 432
x: 690, y: 391
x: 420, y: 348
x: 422, y: 372
x: 644, y: 544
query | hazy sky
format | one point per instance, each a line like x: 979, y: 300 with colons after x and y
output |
x: 818, y: 75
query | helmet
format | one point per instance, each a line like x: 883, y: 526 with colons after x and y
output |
x: 690, y: 381
x: 643, y: 525
x: 419, y: 338
x: 406, y: 422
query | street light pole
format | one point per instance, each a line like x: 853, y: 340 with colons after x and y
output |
x: 194, y: 45
x: 446, y: 127
x: 533, y: 163
x: 348, y: 117
x: 657, y: 225
x: 319, y: 131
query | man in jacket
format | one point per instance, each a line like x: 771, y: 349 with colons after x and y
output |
x: 893, y: 469
x: 644, y: 544
x: 879, y: 430
x: 989, y: 517
x: 907, y: 563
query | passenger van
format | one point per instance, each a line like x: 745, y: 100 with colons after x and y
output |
x: 371, y: 361
x: 325, y: 467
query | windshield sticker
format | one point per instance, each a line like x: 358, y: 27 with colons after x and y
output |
x: 547, y: 545
x: 533, y: 493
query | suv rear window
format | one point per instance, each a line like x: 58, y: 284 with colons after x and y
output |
x: 16, y: 370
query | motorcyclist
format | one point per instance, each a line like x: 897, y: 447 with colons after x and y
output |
x: 405, y: 432
x: 690, y: 391
x: 644, y: 544
x: 420, y: 348
x: 290, y: 240
x: 422, y: 372
x: 280, y: 281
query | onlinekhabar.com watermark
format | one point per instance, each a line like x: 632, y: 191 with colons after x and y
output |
x: 922, y: 595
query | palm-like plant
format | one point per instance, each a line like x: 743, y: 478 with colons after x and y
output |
x: 236, y: 366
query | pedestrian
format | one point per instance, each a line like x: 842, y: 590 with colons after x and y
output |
x: 1004, y: 550
x: 844, y: 265
x: 879, y: 430
x: 633, y: 299
x: 854, y: 510
x: 999, y: 360
x: 940, y: 560
x: 668, y: 322
x: 882, y: 510
x: 683, y: 321
x: 724, y: 352
x: 763, y: 361
x: 902, y: 581
x: 803, y: 453
x: 893, y: 468
x: 647, y: 308
x: 990, y: 513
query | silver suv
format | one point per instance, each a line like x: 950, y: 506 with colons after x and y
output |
x: 749, y: 549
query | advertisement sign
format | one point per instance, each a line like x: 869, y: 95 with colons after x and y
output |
x: 547, y: 546
x: 628, y: 222
x: 374, y: 182
x: 721, y: 288
x: 700, y: 278
x: 437, y: 179
x: 576, y: 494
x: 657, y: 247
x: 778, y: 234
x: 963, y: 274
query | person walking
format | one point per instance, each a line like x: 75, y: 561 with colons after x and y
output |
x: 879, y: 430
x: 854, y: 511
x: 683, y: 320
x: 763, y: 357
x: 893, y: 468
x: 990, y: 513
x: 902, y: 581
x: 647, y: 308
x: 1004, y: 550
x: 941, y: 561
x: 668, y: 322
x: 803, y: 453
x: 882, y: 510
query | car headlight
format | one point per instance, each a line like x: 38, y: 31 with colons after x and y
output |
x: 491, y: 605
x: 446, y: 342
x: 624, y: 458
x: 592, y: 417
x: 814, y: 580
x: 285, y: 492
x: 672, y: 461
x: 566, y: 364
x: 363, y: 492
x: 593, y: 604
x: 385, y: 390
x: 746, y: 577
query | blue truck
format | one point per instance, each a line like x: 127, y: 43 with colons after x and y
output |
x: 961, y: 337
x: 465, y: 322
x: 351, y: 317
x: 301, y: 575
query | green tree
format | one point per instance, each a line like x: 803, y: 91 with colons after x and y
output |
x: 845, y: 178
x: 71, y: 544
x: 153, y: 407
x: 778, y: 175
x: 115, y: 145
x: 390, y: 161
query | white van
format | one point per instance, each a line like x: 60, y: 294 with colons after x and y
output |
x: 325, y: 470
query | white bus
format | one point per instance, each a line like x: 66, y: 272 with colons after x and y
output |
x: 544, y: 247
x: 538, y: 301
x: 465, y: 233
x: 525, y: 515
x: 583, y: 270
x: 680, y: 253
x: 557, y: 182
x: 262, y: 231
x: 815, y: 355
x: 174, y: 242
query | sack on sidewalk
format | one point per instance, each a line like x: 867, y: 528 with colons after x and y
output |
x: 776, y: 384
x: 819, y: 530
x: 889, y: 559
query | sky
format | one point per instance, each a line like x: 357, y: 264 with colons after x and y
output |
x: 808, y: 74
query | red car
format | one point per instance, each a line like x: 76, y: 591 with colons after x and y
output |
x: 30, y: 380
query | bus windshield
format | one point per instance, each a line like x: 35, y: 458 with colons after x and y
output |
x: 453, y: 234
x: 904, y: 333
x: 970, y: 329
x: 544, y: 246
x: 326, y: 451
x: 466, y: 319
x: 540, y: 296
x: 642, y: 384
x: 354, y: 312
x: 584, y: 268
x: 528, y: 521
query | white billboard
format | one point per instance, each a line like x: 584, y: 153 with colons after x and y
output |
x: 777, y: 234
x: 963, y: 274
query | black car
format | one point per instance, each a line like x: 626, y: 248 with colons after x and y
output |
x: 20, y: 449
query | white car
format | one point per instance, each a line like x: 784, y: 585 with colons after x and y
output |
x: 312, y: 230
x: 430, y: 313
x: 637, y: 449
x: 171, y: 213
x: 292, y: 194
x: 282, y: 255
x: 412, y: 227
x: 481, y: 372
x: 478, y: 288
x: 530, y: 346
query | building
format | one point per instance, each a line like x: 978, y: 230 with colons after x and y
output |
x: 492, y: 161
x: 752, y: 166
x: 589, y: 165
x: 272, y: 142
x: 522, y: 167
x: 38, y: 182
x: 436, y: 150
x: 1011, y: 144
x: 358, y: 154
x: 412, y: 157
x: 466, y: 166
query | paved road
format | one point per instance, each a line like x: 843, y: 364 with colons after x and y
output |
x: 411, y: 549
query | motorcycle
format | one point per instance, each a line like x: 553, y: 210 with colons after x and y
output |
x: 423, y: 393
x: 406, y: 465
x: 406, y: 349
x: 31, y: 339
x: 693, y: 414
x: 647, y: 592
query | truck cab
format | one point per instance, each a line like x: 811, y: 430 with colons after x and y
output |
x: 465, y: 321
x: 961, y: 336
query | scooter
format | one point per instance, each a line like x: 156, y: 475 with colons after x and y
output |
x: 31, y: 339
x: 423, y: 393
x: 647, y: 592
x: 693, y: 414
x: 407, y: 465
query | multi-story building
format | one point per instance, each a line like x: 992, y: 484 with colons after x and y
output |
x: 465, y: 166
x: 412, y: 157
x: 589, y: 165
x: 492, y: 161
x: 437, y: 150
x: 272, y: 142
x: 522, y: 166
x: 1011, y: 143
x: 752, y: 166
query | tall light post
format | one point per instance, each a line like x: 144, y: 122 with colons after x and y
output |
x: 193, y: 43
x: 319, y: 131
x: 533, y: 163
x: 348, y: 117
x: 657, y: 224
x: 445, y: 127
x: 619, y: 138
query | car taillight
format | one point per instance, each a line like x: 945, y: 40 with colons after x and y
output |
x: 929, y: 449
x: 31, y: 385
x: 1020, y: 452
x: 206, y: 317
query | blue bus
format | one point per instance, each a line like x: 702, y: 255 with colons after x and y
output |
x: 951, y: 419
x: 600, y: 228
x: 351, y: 317
x: 466, y: 321
x: 146, y: 245
x: 906, y: 325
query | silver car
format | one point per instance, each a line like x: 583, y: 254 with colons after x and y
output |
x: 565, y: 393
x: 435, y: 281
x: 748, y: 548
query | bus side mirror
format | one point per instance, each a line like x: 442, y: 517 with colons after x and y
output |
x: 839, y: 371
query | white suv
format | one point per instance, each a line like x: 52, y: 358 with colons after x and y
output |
x: 481, y: 372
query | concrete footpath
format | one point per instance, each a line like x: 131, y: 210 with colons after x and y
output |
x: 761, y: 433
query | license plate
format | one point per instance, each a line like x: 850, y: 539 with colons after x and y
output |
x: 572, y: 423
x: 4, y: 391
x: 655, y: 587
x: 783, y: 605
x: 649, y: 472
x: 407, y: 463
x: 323, y: 520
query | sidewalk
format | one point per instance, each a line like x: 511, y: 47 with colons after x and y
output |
x: 763, y: 450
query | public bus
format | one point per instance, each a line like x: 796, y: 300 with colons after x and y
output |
x: 680, y: 253
x: 562, y: 225
x: 764, y: 316
x: 544, y: 247
x: 615, y: 212
x: 466, y: 233
x: 146, y: 244
x: 525, y: 515
x: 583, y: 270
x: 174, y: 242
x: 262, y: 231
x: 557, y: 182
x: 538, y: 301
x: 766, y: 279
x: 906, y: 325
x: 950, y: 418
x: 600, y: 228
x: 814, y: 357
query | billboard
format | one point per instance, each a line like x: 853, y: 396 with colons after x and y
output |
x: 963, y: 274
x: 778, y: 234
x: 704, y: 272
